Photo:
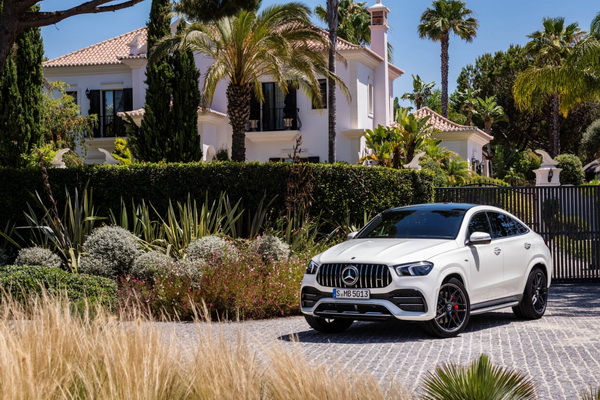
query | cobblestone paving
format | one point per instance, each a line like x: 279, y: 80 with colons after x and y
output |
x: 560, y: 352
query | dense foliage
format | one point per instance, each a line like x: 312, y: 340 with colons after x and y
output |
x: 340, y: 192
x: 21, y: 83
x: 24, y: 281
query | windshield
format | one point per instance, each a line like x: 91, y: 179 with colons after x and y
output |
x: 415, y: 223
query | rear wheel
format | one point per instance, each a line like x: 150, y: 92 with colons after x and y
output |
x: 452, y: 311
x: 328, y: 325
x: 535, y: 296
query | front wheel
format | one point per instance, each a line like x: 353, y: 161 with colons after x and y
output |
x: 453, y: 311
x: 535, y: 296
x: 328, y: 325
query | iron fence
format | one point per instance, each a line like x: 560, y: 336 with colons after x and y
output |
x: 567, y: 217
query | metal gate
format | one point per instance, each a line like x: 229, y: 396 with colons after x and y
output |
x: 567, y: 217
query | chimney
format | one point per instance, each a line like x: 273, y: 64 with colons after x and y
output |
x: 379, y: 27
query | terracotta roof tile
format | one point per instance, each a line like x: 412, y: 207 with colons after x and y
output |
x: 113, y: 50
x: 104, y: 53
x: 444, y: 124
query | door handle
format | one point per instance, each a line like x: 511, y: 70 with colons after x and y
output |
x: 497, y: 251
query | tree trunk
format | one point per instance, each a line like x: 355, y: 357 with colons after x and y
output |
x: 238, y: 108
x: 445, y: 60
x: 554, y: 127
x: 332, y: 22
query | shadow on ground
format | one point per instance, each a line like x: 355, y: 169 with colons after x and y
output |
x: 565, y: 300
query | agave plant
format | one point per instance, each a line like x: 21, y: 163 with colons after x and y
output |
x: 64, y: 233
x: 479, y: 380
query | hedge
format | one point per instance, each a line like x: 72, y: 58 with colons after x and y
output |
x: 21, y: 282
x: 339, y: 191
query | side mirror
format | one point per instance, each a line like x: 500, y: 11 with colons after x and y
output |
x: 352, y: 235
x: 480, y: 238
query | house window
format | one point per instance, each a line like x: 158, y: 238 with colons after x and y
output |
x: 278, y: 111
x: 370, y: 98
x: 73, y: 94
x: 106, y: 104
x: 323, y: 96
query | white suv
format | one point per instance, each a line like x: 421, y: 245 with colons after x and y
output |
x: 435, y: 263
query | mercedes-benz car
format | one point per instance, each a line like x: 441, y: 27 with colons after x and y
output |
x: 433, y: 263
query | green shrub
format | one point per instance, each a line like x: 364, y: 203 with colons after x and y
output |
x: 109, y: 251
x: 484, y: 181
x: 590, y: 141
x: 211, y: 249
x: 572, y: 169
x: 150, y: 264
x: 38, y: 256
x: 338, y: 191
x: 23, y: 282
x: 271, y: 248
x: 440, y: 179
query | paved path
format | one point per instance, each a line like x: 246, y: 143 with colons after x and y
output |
x: 560, y: 352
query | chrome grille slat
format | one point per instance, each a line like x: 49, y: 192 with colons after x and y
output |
x: 371, y: 276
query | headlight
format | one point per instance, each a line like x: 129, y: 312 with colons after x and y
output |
x: 419, y: 268
x: 312, y: 268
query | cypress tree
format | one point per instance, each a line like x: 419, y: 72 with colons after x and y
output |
x: 30, y: 81
x: 186, y: 143
x: 12, y: 124
x: 151, y: 142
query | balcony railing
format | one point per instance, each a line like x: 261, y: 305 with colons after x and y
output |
x: 274, y: 119
x: 110, y: 126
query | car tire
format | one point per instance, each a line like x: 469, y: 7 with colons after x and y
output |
x: 453, y: 309
x: 328, y: 325
x: 535, y: 296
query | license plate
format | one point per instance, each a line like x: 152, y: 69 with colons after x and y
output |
x: 351, y: 294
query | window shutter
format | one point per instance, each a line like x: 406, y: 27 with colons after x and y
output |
x: 128, y: 99
x: 94, y: 97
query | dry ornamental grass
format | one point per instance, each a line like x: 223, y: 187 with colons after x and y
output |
x: 50, y: 352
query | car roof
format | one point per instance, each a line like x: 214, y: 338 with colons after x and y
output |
x: 436, y: 206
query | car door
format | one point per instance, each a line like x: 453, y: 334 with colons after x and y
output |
x: 486, y: 262
x: 516, y: 250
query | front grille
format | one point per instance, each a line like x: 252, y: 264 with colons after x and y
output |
x: 371, y: 276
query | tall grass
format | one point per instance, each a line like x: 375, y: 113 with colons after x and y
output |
x: 50, y: 353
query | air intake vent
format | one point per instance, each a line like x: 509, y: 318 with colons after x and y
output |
x: 369, y: 276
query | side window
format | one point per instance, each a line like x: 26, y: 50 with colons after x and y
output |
x: 496, y: 221
x: 479, y: 223
x: 505, y: 226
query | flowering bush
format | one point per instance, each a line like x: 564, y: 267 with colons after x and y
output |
x: 246, y: 287
x: 271, y: 248
x: 109, y: 251
x: 38, y: 256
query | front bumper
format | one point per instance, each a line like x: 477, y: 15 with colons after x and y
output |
x: 398, y: 303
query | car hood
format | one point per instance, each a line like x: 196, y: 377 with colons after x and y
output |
x: 385, y: 251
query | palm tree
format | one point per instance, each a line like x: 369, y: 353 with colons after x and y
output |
x: 489, y: 112
x: 354, y: 21
x: 421, y: 91
x: 437, y: 22
x: 332, y: 25
x: 565, y: 71
x: 465, y: 102
x: 595, y: 27
x: 278, y: 42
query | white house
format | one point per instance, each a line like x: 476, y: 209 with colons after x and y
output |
x: 466, y: 141
x: 107, y: 78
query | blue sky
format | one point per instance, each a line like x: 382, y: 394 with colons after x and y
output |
x: 501, y: 23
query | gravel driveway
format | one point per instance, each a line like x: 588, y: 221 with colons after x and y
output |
x: 560, y: 352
